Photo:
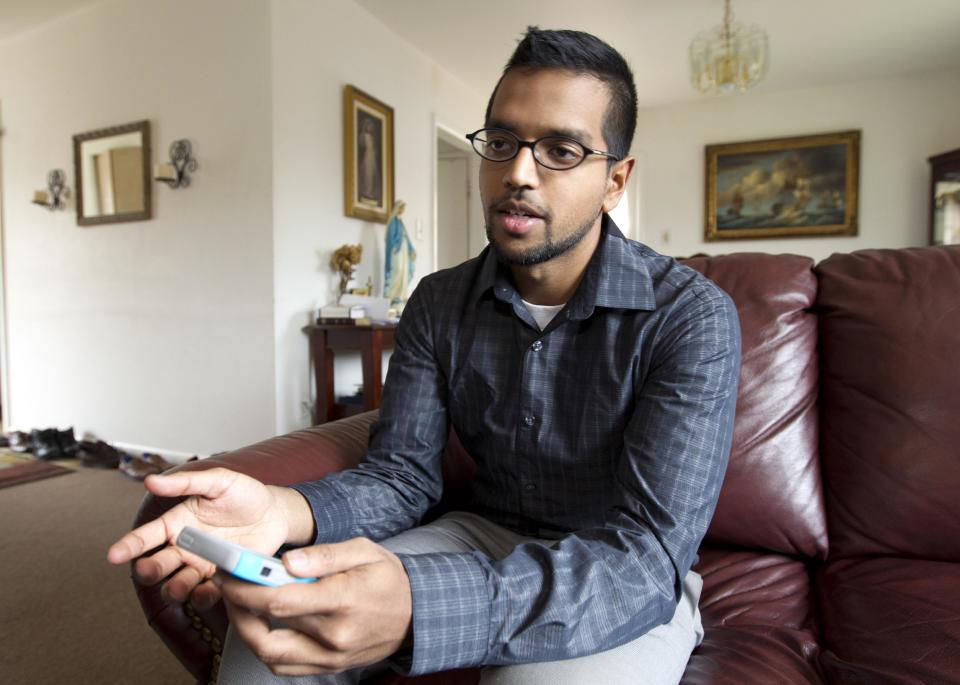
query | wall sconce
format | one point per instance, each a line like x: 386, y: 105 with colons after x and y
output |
x: 174, y: 172
x: 54, y: 197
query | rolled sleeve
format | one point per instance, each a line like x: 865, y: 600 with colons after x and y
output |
x: 332, y: 510
x: 451, y: 613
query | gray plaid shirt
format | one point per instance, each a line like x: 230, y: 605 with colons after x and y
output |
x: 608, y: 431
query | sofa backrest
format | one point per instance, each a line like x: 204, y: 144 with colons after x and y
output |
x: 890, y: 401
x: 772, y: 495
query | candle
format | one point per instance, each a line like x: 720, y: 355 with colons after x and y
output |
x: 165, y: 171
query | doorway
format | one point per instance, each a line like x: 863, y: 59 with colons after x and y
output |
x: 459, y: 231
x: 4, y: 385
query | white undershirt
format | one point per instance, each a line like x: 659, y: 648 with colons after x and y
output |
x: 543, y: 313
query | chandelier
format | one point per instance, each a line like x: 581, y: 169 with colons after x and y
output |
x: 727, y: 58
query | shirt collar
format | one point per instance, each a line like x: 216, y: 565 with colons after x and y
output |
x: 616, y: 277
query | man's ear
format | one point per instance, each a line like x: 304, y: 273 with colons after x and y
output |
x: 617, y: 182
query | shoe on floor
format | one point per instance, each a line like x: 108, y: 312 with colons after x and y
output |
x: 20, y: 441
x: 98, y: 454
x: 46, y: 444
x: 68, y: 443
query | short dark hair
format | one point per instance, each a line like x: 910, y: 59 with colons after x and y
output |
x: 583, y: 53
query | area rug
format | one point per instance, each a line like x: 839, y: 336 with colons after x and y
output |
x: 17, y: 468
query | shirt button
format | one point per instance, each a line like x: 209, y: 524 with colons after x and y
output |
x: 527, y: 421
x: 530, y: 487
x: 536, y: 346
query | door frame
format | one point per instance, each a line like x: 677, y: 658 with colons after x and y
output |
x: 451, y: 136
x: 4, y: 347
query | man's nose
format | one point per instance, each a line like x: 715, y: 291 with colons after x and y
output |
x: 522, y: 171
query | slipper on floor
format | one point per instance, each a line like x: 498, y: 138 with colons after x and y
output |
x: 139, y: 467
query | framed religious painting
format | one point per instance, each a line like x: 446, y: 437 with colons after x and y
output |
x: 368, y: 156
x: 804, y: 186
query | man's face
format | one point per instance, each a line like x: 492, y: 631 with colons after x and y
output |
x: 534, y: 214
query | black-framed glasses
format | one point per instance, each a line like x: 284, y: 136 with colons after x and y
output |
x: 554, y: 152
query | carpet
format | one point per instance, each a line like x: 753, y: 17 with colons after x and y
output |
x: 66, y: 615
x: 18, y: 468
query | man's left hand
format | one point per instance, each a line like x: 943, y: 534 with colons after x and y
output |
x: 357, y: 613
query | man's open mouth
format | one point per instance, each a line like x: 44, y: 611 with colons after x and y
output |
x: 519, y: 210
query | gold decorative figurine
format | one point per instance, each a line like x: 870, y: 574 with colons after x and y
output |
x: 344, y: 260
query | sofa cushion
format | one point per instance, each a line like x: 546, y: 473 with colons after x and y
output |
x: 734, y: 655
x: 890, y: 401
x: 772, y: 495
x: 888, y: 620
x: 742, y: 588
x: 757, y: 616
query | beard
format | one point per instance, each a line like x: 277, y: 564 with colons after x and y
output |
x: 549, y: 249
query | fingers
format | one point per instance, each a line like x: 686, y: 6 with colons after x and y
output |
x: 189, y: 582
x: 210, y: 484
x: 205, y: 596
x: 324, y: 560
x: 358, y: 612
x: 178, y: 588
x: 146, y: 537
x: 296, y: 599
x: 286, y: 652
x: 326, y: 596
x: 152, y: 569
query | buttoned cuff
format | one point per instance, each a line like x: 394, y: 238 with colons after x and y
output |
x: 332, y: 512
x: 451, y: 613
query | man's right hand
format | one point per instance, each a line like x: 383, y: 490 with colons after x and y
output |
x: 231, y: 505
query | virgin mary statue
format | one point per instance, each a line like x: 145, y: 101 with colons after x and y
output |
x: 400, y: 258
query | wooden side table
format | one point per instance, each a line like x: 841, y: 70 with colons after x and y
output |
x: 371, y: 341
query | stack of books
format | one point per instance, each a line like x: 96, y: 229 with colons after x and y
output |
x: 342, y: 315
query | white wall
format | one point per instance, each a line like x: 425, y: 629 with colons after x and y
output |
x: 156, y: 333
x: 318, y: 47
x: 903, y: 121
x: 183, y: 333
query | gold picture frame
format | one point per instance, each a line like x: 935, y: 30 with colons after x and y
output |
x: 802, y: 186
x: 368, y: 156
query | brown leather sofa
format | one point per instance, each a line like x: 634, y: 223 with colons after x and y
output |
x: 834, y: 555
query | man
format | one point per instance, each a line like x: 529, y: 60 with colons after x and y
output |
x: 594, y: 382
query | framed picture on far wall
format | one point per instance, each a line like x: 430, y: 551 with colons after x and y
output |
x: 368, y: 156
x: 785, y: 187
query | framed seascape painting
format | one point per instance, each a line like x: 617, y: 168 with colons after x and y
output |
x: 784, y: 187
x: 368, y: 156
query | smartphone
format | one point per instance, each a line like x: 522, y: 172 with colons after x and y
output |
x: 236, y: 560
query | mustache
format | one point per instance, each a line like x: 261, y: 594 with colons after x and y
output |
x: 519, y: 196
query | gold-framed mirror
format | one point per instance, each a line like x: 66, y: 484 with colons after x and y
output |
x: 112, y: 170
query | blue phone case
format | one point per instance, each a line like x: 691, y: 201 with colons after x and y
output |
x: 237, y: 560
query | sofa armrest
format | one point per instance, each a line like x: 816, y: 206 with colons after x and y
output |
x: 196, y: 637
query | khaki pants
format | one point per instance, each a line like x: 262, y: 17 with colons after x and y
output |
x: 657, y: 658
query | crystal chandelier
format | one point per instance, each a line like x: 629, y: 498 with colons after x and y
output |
x: 729, y: 57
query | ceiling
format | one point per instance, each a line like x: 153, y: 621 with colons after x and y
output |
x: 20, y: 16
x: 813, y: 42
